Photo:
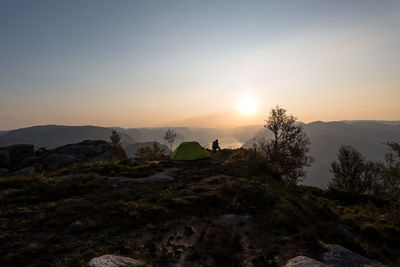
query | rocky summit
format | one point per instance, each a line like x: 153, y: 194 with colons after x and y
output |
x: 28, y: 159
x: 221, y: 211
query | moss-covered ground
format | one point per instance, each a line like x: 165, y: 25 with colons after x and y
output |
x: 215, y: 212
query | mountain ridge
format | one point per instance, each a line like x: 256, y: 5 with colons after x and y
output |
x: 367, y: 136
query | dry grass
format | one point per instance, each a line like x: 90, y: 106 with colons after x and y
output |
x: 67, y: 221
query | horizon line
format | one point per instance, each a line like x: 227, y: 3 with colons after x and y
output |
x: 195, y: 127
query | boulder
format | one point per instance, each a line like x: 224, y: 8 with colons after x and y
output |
x: 19, y: 156
x: 59, y: 160
x: 28, y: 171
x: 303, y: 261
x: 113, y: 261
x: 85, y: 149
x: 338, y: 256
x: 28, y: 162
x: 12, y: 156
x: 4, y: 171
x: 4, y: 158
x: 92, y: 150
x: 106, y: 156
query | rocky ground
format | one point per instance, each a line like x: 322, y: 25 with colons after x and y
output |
x: 216, y: 212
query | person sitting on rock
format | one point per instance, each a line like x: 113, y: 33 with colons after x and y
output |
x: 215, y: 146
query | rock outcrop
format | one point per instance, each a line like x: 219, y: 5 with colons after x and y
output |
x: 27, y: 171
x: 303, y: 261
x: 21, y: 156
x: 12, y: 156
x: 59, y: 160
x: 334, y: 256
x: 338, y: 256
x: 113, y: 261
x: 86, y: 151
x: 30, y: 161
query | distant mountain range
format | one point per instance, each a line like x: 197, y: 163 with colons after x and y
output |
x: 51, y: 136
x: 326, y: 138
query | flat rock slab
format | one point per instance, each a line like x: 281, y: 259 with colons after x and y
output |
x: 160, y: 176
x: 338, y: 256
x: 113, y: 261
x: 303, y: 261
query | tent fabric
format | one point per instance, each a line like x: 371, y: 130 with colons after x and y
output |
x: 190, y: 151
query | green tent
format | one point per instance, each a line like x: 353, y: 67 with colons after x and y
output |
x: 190, y: 151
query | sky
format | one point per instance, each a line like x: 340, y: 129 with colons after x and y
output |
x: 196, y: 63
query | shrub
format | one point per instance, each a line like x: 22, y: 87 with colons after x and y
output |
x: 289, y: 148
x: 116, y: 146
x: 151, y: 153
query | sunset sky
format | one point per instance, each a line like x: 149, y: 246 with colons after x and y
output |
x: 197, y: 63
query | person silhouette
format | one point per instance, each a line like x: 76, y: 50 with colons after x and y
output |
x: 215, y: 146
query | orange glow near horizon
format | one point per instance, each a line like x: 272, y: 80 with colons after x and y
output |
x: 198, y: 64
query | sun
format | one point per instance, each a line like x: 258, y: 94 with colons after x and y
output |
x: 247, y: 105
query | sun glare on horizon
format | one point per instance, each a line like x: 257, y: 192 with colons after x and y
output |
x: 247, y: 105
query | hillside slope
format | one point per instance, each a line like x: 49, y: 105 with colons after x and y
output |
x: 326, y: 137
x: 204, y: 213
